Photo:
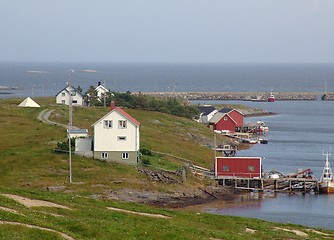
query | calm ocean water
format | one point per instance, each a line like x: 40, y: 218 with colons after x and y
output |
x: 48, y: 79
x: 298, y: 134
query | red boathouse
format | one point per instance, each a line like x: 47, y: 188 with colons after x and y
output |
x: 244, y: 167
x: 227, y: 119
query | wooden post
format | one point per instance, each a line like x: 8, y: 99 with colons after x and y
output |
x: 262, y: 185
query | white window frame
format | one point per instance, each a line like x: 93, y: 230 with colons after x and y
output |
x: 107, y: 124
x: 125, y: 155
x: 122, y: 124
x: 251, y: 168
x: 121, y: 138
x: 104, y: 155
x: 226, y: 168
x: 63, y: 94
x: 63, y: 101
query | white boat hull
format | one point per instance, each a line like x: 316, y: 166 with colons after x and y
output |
x: 326, y: 187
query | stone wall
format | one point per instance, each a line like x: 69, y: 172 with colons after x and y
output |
x: 246, y: 96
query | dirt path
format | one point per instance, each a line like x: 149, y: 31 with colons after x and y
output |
x: 65, y: 236
x: 138, y: 213
x: 45, y: 115
x: 33, y: 203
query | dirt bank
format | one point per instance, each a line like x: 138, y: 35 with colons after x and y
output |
x: 173, y: 200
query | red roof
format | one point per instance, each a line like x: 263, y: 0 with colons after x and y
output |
x: 125, y: 114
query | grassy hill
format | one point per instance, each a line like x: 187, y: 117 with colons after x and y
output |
x: 30, y: 168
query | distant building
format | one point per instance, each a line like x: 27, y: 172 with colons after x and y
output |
x: 227, y: 119
x: 77, y: 133
x: 28, y: 102
x: 206, y: 113
x: 116, y: 137
x: 101, y: 91
x: 245, y: 167
x: 63, y: 96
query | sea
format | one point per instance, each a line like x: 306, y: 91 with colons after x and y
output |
x: 299, y: 133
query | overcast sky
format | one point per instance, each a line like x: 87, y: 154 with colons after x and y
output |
x: 167, y: 31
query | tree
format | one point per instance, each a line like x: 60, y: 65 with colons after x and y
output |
x: 91, y: 98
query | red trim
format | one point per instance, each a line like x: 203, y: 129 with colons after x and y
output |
x: 125, y: 114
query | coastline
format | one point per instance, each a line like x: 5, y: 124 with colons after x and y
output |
x: 240, y: 96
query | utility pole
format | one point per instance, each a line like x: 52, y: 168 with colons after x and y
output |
x: 70, y: 123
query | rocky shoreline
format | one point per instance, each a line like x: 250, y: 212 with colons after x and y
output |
x: 242, y: 96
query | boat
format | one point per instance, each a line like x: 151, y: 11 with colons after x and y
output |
x: 326, y: 184
x: 263, y: 140
x: 271, y: 98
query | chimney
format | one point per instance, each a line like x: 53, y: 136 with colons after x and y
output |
x: 112, y: 105
x: 98, y: 83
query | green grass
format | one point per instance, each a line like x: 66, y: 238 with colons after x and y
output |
x: 28, y: 167
x: 90, y: 219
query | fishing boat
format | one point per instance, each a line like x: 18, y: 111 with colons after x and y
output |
x: 271, y: 98
x: 326, y: 184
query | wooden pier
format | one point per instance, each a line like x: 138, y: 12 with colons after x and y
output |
x: 288, y: 185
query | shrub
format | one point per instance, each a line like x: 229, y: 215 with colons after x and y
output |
x: 145, y: 161
x: 146, y: 152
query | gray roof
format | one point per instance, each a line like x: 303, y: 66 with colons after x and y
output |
x: 216, y: 117
x: 65, y: 88
x: 225, y: 110
x: 206, y: 110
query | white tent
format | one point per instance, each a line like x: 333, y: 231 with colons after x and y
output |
x: 28, y: 102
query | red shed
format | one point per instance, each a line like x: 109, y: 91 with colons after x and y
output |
x: 247, y: 167
x: 227, y: 119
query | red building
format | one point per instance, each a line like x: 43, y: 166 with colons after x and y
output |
x: 246, y: 167
x: 227, y: 119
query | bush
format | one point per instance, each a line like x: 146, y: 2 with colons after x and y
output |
x: 145, y: 161
x: 62, y: 147
x: 170, y: 106
x: 146, y: 152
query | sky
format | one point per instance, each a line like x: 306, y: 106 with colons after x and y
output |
x: 203, y: 31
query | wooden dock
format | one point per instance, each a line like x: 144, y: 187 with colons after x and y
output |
x: 288, y: 185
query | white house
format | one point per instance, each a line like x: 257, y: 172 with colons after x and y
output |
x: 206, y: 113
x: 116, y: 137
x: 64, y: 95
x: 101, y: 91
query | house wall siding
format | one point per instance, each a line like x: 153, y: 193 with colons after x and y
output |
x: 107, y: 138
x: 116, y: 156
x: 227, y: 124
x: 238, y: 166
x: 237, y: 117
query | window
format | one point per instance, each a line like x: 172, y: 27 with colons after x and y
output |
x: 73, y: 93
x: 107, y: 123
x: 63, y: 94
x: 251, y: 168
x: 225, y: 118
x: 226, y: 168
x: 125, y: 155
x: 74, y: 101
x: 63, y: 101
x: 104, y: 155
x: 121, y: 138
x: 122, y: 124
